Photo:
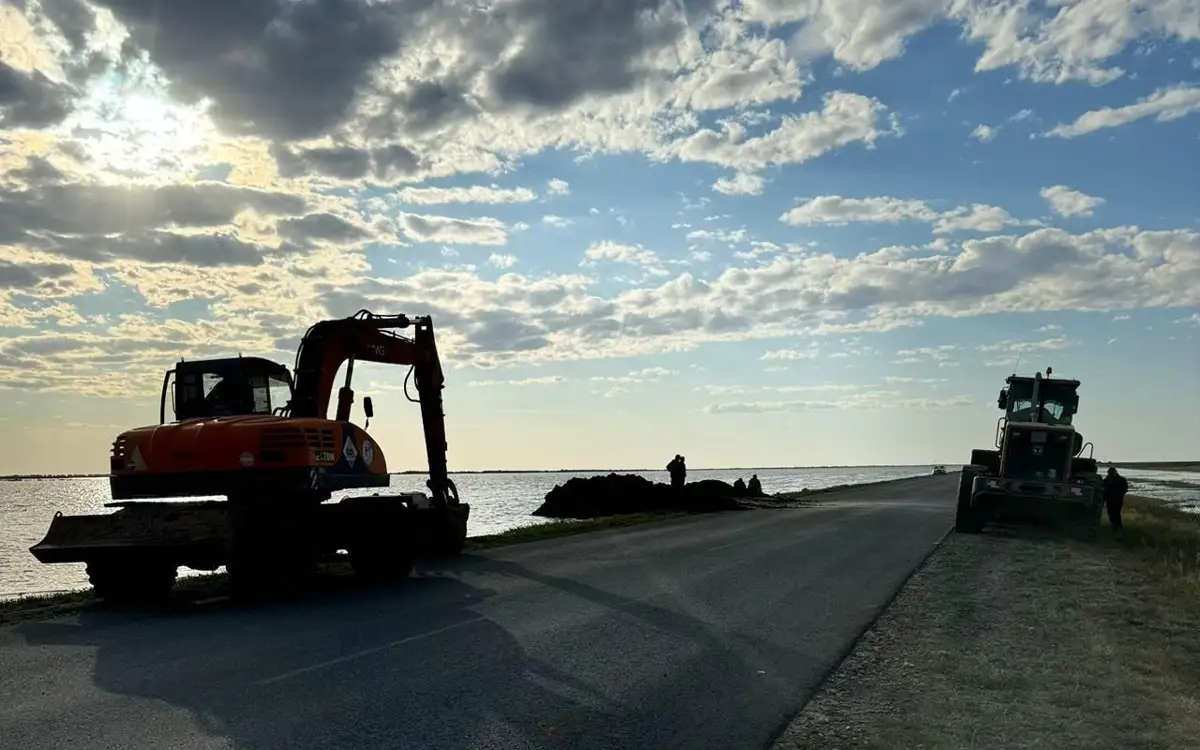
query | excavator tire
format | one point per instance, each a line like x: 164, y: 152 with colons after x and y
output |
x: 382, y: 550
x: 966, y: 520
x: 131, y: 580
x: 272, y: 551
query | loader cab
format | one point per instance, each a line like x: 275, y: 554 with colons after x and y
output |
x: 1057, y: 400
x: 204, y: 389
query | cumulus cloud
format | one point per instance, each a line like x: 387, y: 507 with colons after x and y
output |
x: 502, y: 260
x: 837, y: 210
x: 844, y: 118
x: 1067, y: 202
x: 425, y: 228
x: 302, y: 166
x: 869, y: 400
x: 1164, y: 105
x: 740, y: 184
x: 472, y: 194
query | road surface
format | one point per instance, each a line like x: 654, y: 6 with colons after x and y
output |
x: 703, y: 632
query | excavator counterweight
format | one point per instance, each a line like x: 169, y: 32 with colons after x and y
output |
x: 248, y: 430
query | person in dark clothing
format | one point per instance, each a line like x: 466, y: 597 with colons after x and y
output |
x: 755, y: 486
x: 739, y: 486
x: 1115, y: 487
x: 678, y: 470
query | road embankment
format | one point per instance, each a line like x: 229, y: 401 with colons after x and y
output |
x: 1019, y: 638
x: 194, y: 588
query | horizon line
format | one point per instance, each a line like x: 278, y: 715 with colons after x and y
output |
x: 410, y: 472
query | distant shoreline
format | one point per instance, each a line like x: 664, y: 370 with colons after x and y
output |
x: 1160, y: 465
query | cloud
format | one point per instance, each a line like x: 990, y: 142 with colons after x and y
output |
x: 502, y: 260
x: 522, y: 382
x: 1164, y: 105
x: 1067, y: 202
x: 844, y: 118
x: 792, y: 354
x: 626, y: 254
x: 559, y: 187
x: 872, y: 400
x: 984, y: 133
x: 425, y: 228
x: 472, y: 194
x: 740, y: 184
x: 836, y: 210
x: 644, y: 375
x: 1061, y: 43
x: 556, y: 221
x: 30, y: 99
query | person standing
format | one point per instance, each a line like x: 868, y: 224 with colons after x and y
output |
x: 678, y: 471
x: 1115, y: 487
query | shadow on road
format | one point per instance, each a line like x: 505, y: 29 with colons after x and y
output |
x: 377, y: 669
x: 420, y: 666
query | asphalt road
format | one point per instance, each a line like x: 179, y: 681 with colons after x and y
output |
x: 706, y: 632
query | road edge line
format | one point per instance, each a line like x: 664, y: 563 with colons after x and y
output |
x: 845, y: 654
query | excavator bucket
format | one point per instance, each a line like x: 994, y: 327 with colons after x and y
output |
x: 142, y: 526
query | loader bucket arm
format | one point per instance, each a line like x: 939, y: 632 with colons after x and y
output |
x: 373, y: 338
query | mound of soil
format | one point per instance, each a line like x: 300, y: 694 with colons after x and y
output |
x: 614, y: 494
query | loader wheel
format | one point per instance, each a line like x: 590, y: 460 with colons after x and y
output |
x: 966, y: 519
x: 132, y: 581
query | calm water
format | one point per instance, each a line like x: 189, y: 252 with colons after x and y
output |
x: 498, y: 502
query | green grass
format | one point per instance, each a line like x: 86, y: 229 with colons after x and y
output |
x: 1167, y: 538
x: 558, y: 528
x: 1026, y: 638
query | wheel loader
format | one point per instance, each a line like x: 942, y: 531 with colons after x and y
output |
x: 248, y: 430
x: 1037, y: 472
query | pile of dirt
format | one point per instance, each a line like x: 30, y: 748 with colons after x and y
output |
x: 614, y: 494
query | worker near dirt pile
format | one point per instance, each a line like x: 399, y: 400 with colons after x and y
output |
x: 1115, y: 487
x: 678, y: 470
x: 755, y: 486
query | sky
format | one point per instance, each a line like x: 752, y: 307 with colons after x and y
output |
x: 755, y: 232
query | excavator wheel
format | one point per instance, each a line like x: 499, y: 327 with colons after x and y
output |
x: 966, y: 519
x: 382, y: 552
x: 272, y: 553
x: 122, y: 581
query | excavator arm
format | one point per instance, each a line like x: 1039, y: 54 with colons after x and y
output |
x: 374, y: 338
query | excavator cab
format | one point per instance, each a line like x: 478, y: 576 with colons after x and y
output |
x: 204, y: 389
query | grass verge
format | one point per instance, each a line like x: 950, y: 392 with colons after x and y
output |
x: 1021, y: 638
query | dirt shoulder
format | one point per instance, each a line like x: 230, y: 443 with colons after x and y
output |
x: 1019, y: 639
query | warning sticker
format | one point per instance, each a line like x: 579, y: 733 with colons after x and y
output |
x: 368, y: 453
x: 349, y: 452
x: 137, y: 463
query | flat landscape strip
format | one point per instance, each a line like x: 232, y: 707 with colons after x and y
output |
x: 190, y: 589
x: 1017, y: 638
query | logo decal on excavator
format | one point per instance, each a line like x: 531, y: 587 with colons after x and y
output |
x: 368, y: 453
x: 349, y: 452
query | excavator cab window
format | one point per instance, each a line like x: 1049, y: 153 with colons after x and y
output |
x: 224, y: 388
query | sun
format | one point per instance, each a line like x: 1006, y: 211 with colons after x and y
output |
x: 128, y: 124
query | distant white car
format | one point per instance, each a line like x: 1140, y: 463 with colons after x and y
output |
x: 939, y: 470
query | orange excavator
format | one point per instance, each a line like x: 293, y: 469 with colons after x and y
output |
x: 246, y: 430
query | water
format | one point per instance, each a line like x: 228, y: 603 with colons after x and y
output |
x: 498, y: 502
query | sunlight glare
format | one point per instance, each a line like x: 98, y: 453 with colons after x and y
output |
x: 129, y: 125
